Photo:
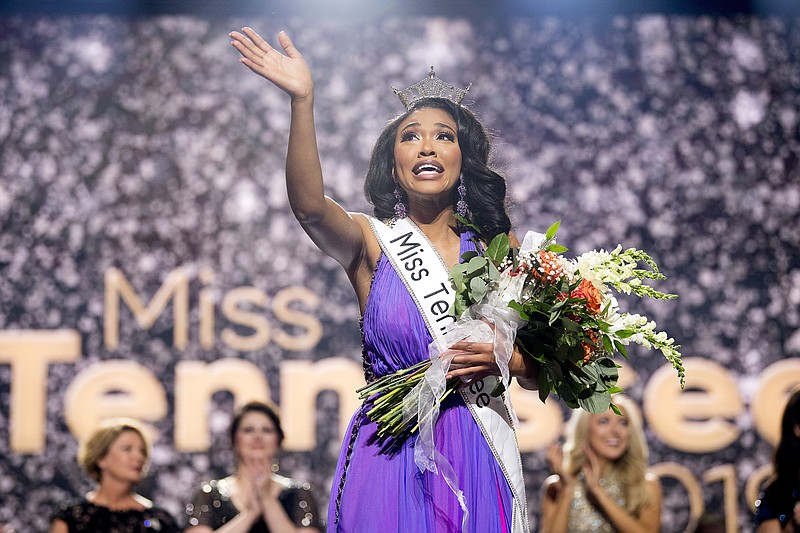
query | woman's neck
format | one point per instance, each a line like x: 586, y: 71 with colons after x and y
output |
x: 115, y: 495
x: 434, y: 222
x: 258, y: 467
x: 429, y: 210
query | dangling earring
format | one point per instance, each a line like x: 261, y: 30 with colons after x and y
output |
x: 462, y: 209
x: 400, y: 210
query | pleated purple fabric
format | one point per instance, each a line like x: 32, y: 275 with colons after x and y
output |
x: 378, y: 492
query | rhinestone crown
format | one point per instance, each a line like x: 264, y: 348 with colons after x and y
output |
x: 431, y: 87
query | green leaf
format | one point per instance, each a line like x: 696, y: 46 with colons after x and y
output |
x: 551, y: 231
x: 609, y: 378
x: 457, y: 275
x: 494, y: 273
x: 554, y: 369
x: 621, y: 349
x: 570, y: 325
x: 459, y: 306
x: 514, y: 253
x: 607, y: 346
x: 498, y: 248
x: 555, y: 311
x: 477, y: 289
x: 475, y: 265
x: 556, y: 248
x: 566, y: 393
x: 596, y: 403
x: 576, y: 383
x: 544, y: 385
x: 468, y: 224
x: 591, y: 372
x: 606, y: 362
x: 519, y: 309
x: 469, y: 254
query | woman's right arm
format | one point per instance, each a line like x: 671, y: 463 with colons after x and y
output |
x: 331, y: 228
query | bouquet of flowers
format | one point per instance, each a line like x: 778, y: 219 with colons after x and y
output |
x: 566, y: 318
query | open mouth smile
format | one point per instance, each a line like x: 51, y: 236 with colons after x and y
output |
x: 428, y: 167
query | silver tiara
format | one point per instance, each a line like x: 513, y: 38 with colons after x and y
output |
x: 430, y: 87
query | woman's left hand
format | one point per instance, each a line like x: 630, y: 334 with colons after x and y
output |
x: 269, y: 489
x: 475, y: 360
x: 472, y: 361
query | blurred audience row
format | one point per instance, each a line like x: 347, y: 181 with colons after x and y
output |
x: 253, y: 499
x: 600, y: 481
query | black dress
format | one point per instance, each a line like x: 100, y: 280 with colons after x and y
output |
x: 212, y: 506
x: 85, y: 516
x: 774, y: 504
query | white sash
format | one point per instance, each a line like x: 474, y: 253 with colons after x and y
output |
x: 426, y: 277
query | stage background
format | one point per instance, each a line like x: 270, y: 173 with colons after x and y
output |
x: 149, y: 264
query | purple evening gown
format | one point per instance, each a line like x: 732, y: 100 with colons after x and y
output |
x: 376, y: 492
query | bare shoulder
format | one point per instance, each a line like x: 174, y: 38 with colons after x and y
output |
x: 513, y: 240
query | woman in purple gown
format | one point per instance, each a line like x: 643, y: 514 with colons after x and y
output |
x: 428, y: 164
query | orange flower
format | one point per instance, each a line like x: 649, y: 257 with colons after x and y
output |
x: 589, y: 292
x: 589, y: 348
x: 550, y: 269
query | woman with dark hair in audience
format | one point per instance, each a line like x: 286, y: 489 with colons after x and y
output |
x: 778, y: 508
x: 254, y: 499
x: 115, y: 455
x: 430, y: 164
x: 601, y: 481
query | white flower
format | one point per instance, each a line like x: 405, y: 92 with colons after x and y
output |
x: 508, y: 288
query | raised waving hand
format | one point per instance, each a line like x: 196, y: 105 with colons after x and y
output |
x: 288, y: 72
x: 331, y: 228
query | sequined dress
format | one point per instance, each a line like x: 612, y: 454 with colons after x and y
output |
x: 85, y: 516
x: 583, y: 516
x: 380, y: 493
x: 213, y: 507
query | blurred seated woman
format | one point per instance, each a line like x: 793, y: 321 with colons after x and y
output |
x: 115, y: 455
x: 778, y: 508
x: 254, y: 499
x: 600, y: 480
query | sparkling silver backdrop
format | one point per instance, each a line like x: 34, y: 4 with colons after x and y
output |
x: 142, y: 144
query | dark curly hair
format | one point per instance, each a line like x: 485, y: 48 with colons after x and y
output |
x: 486, y: 189
x: 786, y: 461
